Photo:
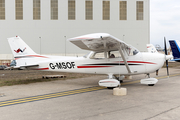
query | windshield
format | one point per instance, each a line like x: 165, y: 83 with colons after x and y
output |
x: 87, y: 55
x: 131, y: 51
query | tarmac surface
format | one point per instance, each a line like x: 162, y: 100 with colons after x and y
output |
x: 82, y: 99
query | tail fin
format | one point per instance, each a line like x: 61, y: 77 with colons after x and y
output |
x: 19, y: 47
x: 151, y: 48
x: 175, y: 48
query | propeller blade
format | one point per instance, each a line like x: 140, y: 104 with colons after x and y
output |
x: 165, y: 49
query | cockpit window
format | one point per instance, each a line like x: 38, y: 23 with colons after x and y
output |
x: 131, y: 51
x: 128, y: 51
x: 86, y: 55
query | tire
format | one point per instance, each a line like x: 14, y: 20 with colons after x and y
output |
x: 150, y: 84
x: 110, y: 87
x: 121, y: 81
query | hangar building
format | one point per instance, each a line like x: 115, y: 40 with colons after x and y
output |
x: 46, y: 24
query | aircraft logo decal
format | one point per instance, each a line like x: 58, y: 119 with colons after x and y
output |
x: 19, y: 50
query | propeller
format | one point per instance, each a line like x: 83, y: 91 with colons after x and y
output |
x: 165, y: 49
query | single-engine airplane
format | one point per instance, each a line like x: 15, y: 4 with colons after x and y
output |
x: 108, y: 55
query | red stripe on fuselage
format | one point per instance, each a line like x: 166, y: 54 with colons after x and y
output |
x: 92, y: 66
x: 30, y: 56
x: 37, y: 56
x: 140, y: 62
x: 42, y: 69
x: 136, y: 62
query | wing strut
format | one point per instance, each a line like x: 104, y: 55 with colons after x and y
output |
x: 105, y: 48
x: 124, y: 59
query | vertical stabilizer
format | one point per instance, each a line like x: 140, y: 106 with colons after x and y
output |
x: 175, y: 48
x: 19, y: 47
x: 151, y: 48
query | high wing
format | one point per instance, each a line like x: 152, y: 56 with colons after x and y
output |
x: 98, y: 42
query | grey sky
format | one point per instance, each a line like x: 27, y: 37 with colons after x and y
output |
x: 164, y: 21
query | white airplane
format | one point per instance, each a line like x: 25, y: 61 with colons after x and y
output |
x: 108, y: 55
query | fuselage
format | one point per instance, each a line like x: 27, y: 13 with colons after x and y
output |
x: 140, y: 63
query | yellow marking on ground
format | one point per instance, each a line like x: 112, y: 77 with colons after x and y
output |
x: 48, y: 96
x: 65, y: 93
x: 61, y: 93
x: 137, y: 81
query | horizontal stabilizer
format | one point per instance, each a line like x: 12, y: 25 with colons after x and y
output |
x: 22, y: 67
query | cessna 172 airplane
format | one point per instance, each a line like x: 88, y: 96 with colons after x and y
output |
x: 108, y: 55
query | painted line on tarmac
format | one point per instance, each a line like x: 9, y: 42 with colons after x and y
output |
x: 48, y: 96
x: 62, y: 94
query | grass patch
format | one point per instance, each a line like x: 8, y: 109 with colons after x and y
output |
x: 27, y: 81
x: 16, y: 77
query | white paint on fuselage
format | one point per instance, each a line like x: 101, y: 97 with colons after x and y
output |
x: 139, y: 64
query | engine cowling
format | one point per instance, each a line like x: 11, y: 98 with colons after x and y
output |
x: 109, y: 83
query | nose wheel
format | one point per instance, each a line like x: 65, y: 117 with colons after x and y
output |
x: 150, y: 84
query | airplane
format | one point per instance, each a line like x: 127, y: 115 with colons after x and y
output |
x: 108, y: 55
x: 175, y: 49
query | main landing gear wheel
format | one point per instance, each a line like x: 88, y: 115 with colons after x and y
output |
x: 121, y: 81
x: 149, y: 81
x: 111, y: 87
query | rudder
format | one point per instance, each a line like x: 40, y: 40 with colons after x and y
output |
x: 19, y: 47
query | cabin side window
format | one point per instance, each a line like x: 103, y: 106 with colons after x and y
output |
x: 101, y: 55
x: 114, y: 54
x: 98, y: 55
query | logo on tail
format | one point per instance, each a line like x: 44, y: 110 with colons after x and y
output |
x: 19, y: 50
